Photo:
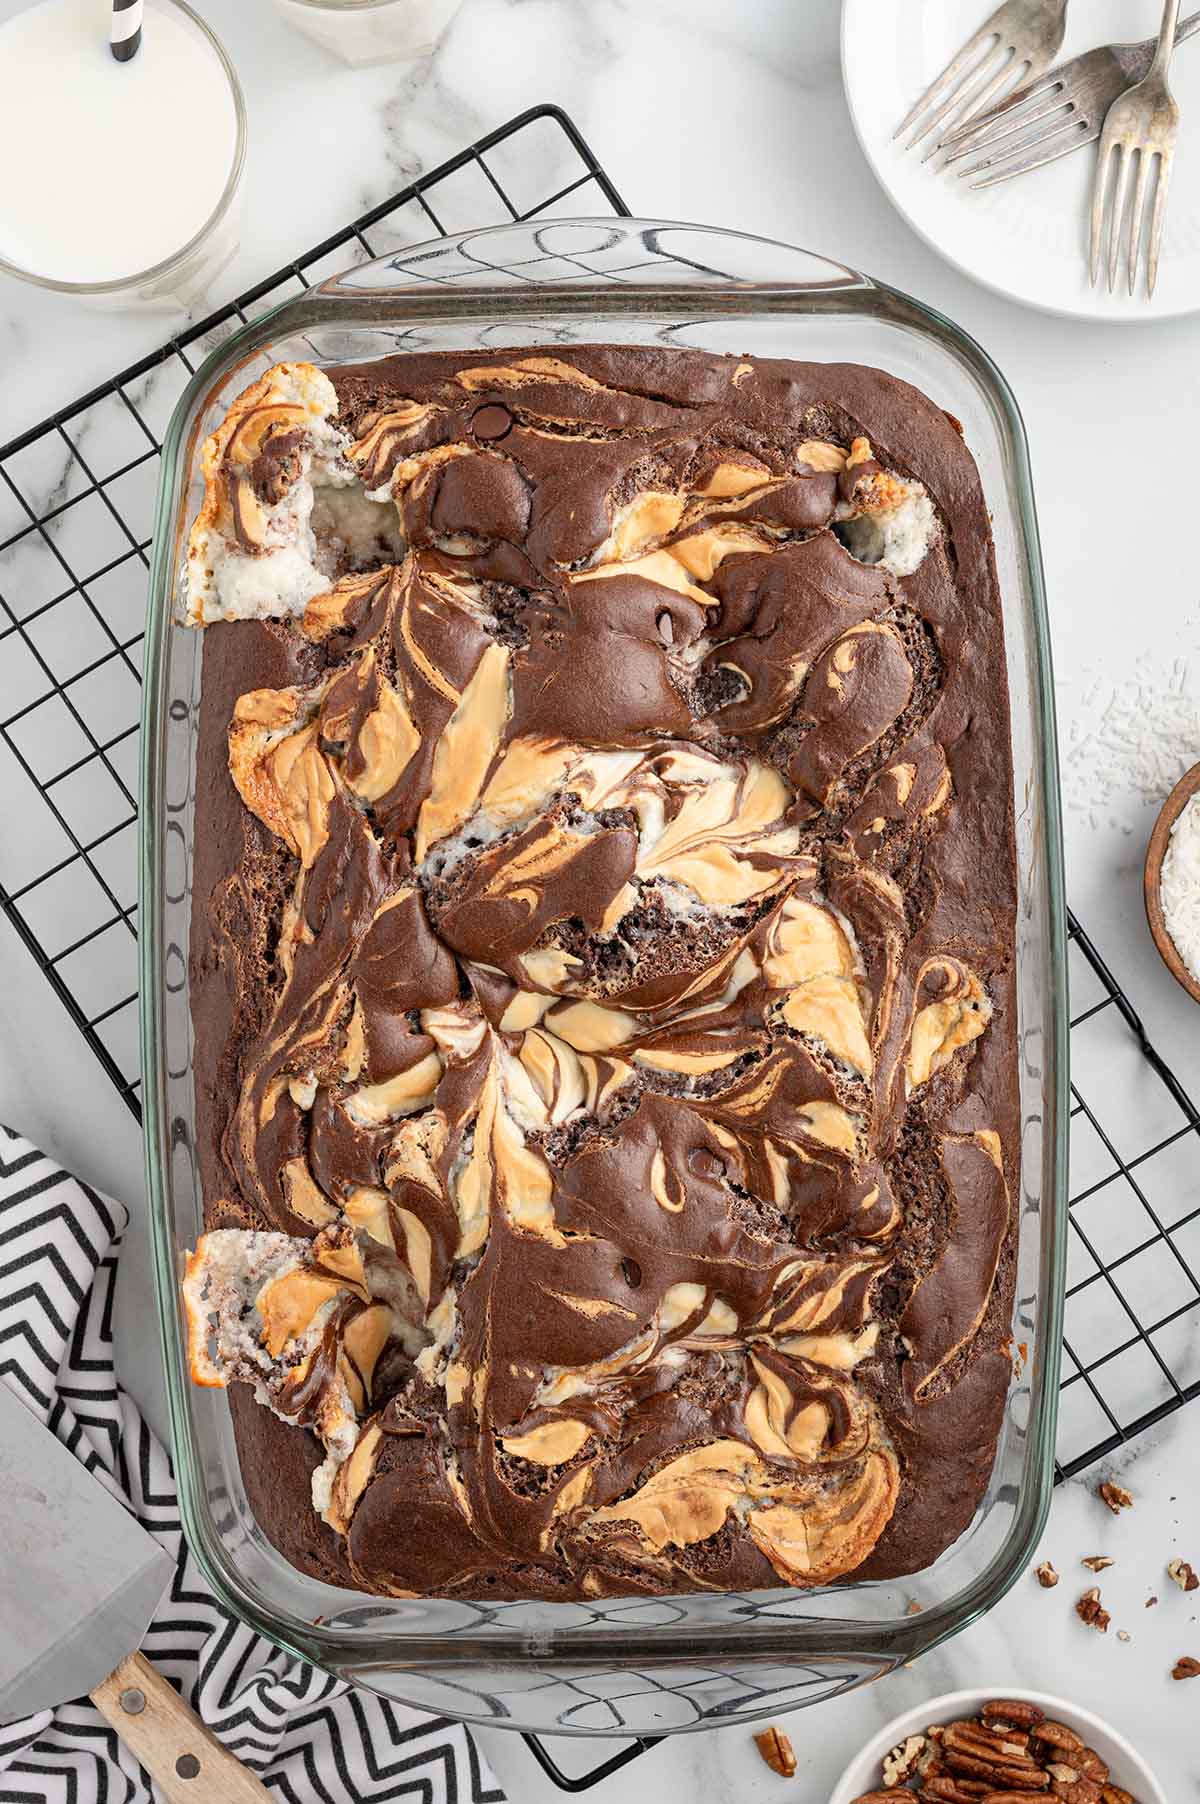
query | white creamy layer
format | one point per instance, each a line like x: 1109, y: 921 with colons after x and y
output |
x: 897, y: 537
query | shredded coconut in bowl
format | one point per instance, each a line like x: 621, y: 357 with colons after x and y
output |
x: 1181, y: 885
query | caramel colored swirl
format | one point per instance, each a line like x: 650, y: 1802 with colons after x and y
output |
x: 600, y: 1186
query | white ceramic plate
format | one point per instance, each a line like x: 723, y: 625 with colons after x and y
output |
x: 1126, y: 1766
x: 1025, y: 238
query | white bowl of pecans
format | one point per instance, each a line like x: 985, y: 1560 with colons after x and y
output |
x: 1004, y: 1749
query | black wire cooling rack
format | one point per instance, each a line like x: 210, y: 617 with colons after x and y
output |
x: 76, y: 510
x: 76, y: 513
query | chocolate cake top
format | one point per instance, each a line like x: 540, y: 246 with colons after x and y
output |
x: 603, y: 1002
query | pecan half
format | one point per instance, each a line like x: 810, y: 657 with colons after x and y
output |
x: 987, y: 1740
x: 1057, y: 1735
x: 1115, y: 1496
x: 1006, y: 1797
x: 950, y: 1790
x: 1090, y: 1610
x: 1046, y: 1576
x: 1183, y: 1575
x: 776, y: 1750
x: 1091, y: 1766
x: 1097, y: 1562
x: 1003, y: 1775
x: 875, y: 1797
x: 1016, y: 1711
x: 1116, y: 1794
x: 1186, y: 1668
x: 1076, y: 1791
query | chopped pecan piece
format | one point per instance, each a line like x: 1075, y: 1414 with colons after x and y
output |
x: 1150, y: 1602
x: 1046, y: 1576
x: 1183, y: 1575
x: 1090, y: 1610
x: 900, y: 1764
x: 1186, y: 1668
x: 1124, y: 1635
x: 776, y: 1750
x: 1115, y: 1496
x: 1096, y: 1562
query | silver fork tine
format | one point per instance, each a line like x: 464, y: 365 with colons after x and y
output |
x: 1016, y: 138
x: 956, y: 67
x: 1012, y: 111
x: 1009, y: 151
x: 1059, y: 144
x: 1136, y: 221
x: 954, y: 101
x: 1117, y: 214
x: 1001, y: 126
x: 1160, y: 207
x: 1099, y: 191
x: 977, y: 100
x: 1142, y: 120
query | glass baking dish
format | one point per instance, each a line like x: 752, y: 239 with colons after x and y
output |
x: 633, y: 1665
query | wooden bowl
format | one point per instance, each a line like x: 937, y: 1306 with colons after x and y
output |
x: 1172, y: 808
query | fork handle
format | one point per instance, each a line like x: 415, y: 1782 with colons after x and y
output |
x: 1166, y: 39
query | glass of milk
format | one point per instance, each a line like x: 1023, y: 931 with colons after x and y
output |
x: 121, y: 181
x: 371, y: 31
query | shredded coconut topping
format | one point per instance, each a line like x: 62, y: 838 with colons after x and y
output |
x: 1181, y: 886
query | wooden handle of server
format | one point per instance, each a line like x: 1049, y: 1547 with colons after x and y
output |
x: 183, y: 1758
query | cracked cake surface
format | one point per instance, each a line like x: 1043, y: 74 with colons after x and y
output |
x: 602, y: 971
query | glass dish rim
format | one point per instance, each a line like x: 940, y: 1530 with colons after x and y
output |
x: 123, y: 284
x: 892, y: 1640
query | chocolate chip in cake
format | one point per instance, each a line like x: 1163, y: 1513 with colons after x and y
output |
x: 491, y: 422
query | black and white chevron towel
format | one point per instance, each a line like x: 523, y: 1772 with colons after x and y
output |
x: 310, y: 1738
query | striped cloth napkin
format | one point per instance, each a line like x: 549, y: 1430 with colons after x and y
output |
x: 308, y: 1736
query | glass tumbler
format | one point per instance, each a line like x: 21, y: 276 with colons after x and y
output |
x: 362, y: 32
x: 130, y: 260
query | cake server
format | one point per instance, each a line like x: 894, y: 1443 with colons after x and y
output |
x: 80, y: 1580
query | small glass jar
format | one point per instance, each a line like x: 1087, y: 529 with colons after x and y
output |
x: 362, y: 32
x: 182, y: 278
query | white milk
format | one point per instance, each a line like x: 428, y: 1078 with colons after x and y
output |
x: 108, y: 168
x: 372, y: 31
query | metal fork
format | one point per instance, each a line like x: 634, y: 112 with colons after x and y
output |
x: 1145, y: 120
x: 1048, y: 118
x: 1024, y: 33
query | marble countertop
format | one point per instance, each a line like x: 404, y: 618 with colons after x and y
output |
x: 1103, y: 408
